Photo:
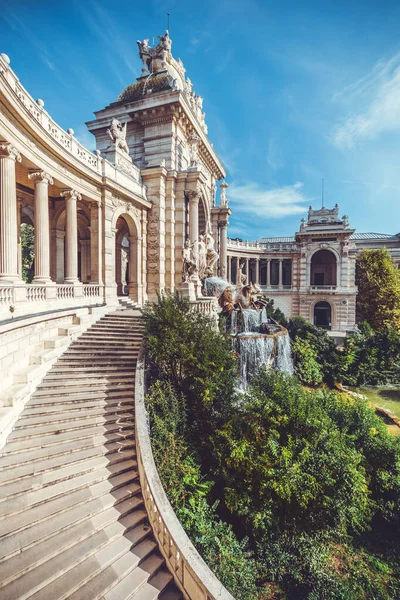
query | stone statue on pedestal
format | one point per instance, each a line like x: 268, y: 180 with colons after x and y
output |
x: 202, y: 257
x: 189, y: 264
x: 241, y: 277
x: 117, y: 134
x: 212, y: 254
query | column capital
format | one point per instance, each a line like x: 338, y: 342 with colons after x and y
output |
x: 223, y: 222
x: 7, y: 150
x: 40, y: 176
x: 193, y: 195
x: 95, y: 203
x: 71, y: 194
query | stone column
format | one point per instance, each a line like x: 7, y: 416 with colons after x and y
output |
x: 194, y: 197
x: 257, y: 271
x: 229, y: 269
x: 8, y: 213
x: 41, y: 180
x: 96, y: 243
x: 71, y: 235
x: 268, y: 272
x: 85, y: 261
x: 19, y: 264
x: 237, y: 271
x: 248, y: 270
x: 280, y: 277
x: 223, y: 240
x: 135, y: 259
x: 60, y: 255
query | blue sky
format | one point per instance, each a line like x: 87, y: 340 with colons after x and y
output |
x: 293, y: 92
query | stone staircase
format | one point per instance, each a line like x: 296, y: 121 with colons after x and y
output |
x: 72, y: 519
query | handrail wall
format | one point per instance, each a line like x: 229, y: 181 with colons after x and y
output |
x: 191, y: 574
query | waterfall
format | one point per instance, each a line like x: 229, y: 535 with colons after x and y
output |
x: 284, y: 361
x: 254, y: 353
x: 258, y: 341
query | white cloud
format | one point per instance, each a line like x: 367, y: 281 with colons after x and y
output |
x: 275, y: 203
x: 372, y: 103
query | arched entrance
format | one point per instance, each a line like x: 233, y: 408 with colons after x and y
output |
x: 323, y: 269
x: 323, y: 315
x: 127, y: 257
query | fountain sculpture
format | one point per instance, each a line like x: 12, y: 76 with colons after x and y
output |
x: 258, y: 340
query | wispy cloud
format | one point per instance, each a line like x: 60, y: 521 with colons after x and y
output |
x: 373, y: 104
x: 17, y: 25
x: 102, y: 24
x: 275, y: 203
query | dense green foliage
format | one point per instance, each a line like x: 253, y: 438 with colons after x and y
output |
x: 316, y: 357
x: 310, y: 478
x: 378, y: 281
x: 28, y: 251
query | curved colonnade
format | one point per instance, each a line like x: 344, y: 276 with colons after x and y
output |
x: 79, y: 204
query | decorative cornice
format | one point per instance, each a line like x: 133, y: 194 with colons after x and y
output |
x: 7, y: 150
x: 71, y: 194
x: 40, y: 176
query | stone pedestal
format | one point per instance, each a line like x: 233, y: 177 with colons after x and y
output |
x: 119, y: 158
x: 188, y: 290
x: 8, y: 213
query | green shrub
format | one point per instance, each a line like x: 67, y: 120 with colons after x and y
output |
x: 187, y: 491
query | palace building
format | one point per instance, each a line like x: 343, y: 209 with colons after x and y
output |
x: 311, y: 274
x: 83, y: 511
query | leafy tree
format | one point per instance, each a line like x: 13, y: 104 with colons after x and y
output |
x: 28, y: 251
x: 322, y: 350
x: 308, y: 369
x: 378, y: 281
x: 184, y: 348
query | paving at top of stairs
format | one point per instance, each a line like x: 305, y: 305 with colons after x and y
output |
x: 72, y: 519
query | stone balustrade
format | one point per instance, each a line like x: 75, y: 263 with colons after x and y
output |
x: 66, y: 139
x: 191, y: 574
x: 21, y: 299
x: 35, y: 293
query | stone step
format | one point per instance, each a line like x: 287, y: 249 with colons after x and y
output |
x: 59, y: 373
x: 36, y: 408
x: 125, y: 429
x: 69, y: 394
x: 56, y: 342
x: 93, y: 351
x: 55, y: 429
x: 100, y: 470
x: 171, y: 592
x: 84, y: 383
x: 11, y: 457
x: 97, y: 361
x: 102, y: 343
x: 92, y: 513
x: 43, y: 463
x: 151, y: 590
x: 129, y: 563
x: 15, y: 522
x: 79, y: 541
x: 49, y: 477
x: 59, y: 418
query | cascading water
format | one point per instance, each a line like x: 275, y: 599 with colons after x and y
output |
x: 258, y: 341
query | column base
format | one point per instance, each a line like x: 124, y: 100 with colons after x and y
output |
x: 10, y: 278
x: 42, y: 280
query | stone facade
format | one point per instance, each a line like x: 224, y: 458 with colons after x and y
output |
x: 311, y: 274
x: 113, y: 222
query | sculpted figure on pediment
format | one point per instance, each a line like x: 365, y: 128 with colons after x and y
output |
x: 117, y: 134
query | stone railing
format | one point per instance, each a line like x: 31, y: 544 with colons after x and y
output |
x: 65, y: 291
x: 6, y: 295
x: 191, y: 574
x: 35, y: 293
x: 263, y: 246
x: 66, y: 139
x: 91, y: 290
x: 206, y: 306
x: 323, y: 288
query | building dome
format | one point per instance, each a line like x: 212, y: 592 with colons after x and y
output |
x: 150, y: 84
